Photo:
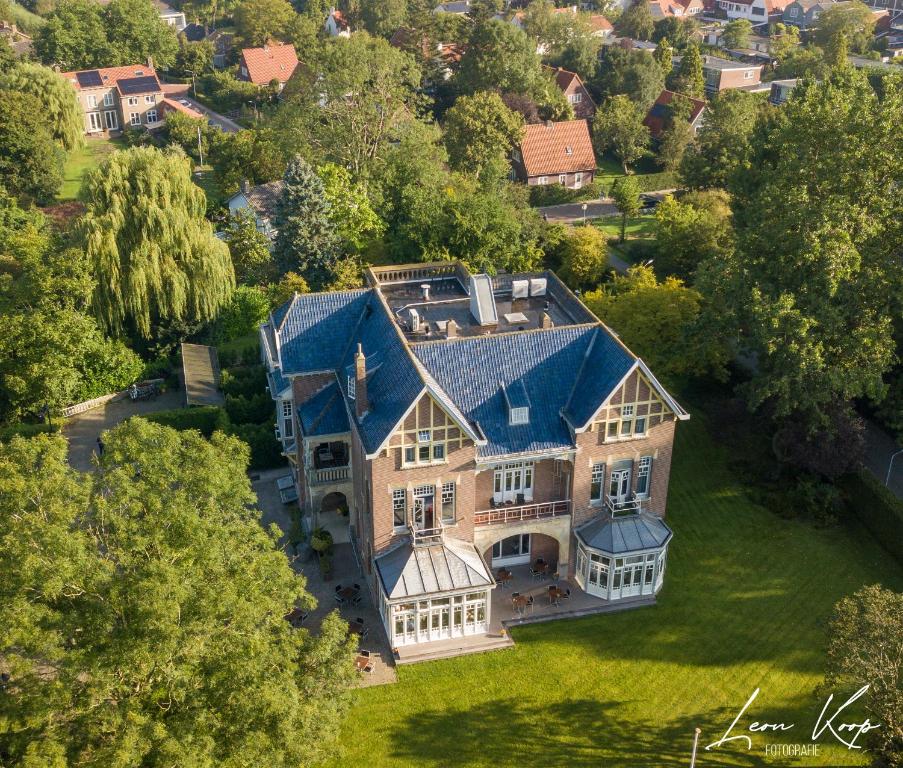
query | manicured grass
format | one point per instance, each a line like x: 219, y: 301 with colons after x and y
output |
x: 744, y: 605
x: 205, y: 179
x: 640, y: 226
x: 80, y: 161
x: 650, y: 177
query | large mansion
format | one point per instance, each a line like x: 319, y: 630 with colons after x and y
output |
x: 468, y: 422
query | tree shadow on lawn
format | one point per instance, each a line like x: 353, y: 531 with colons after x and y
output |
x: 569, y: 732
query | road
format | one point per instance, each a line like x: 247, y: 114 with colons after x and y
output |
x: 180, y: 91
x: 572, y: 213
x: 879, y: 447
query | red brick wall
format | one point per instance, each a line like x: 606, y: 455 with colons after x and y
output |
x: 733, y: 78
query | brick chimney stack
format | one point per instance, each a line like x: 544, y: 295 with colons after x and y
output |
x: 545, y: 321
x: 451, y: 330
x: 361, y: 401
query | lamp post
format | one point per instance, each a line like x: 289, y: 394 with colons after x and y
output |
x: 194, y: 87
x: 890, y: 466
x: 584, y: 213
x: 695, y: 745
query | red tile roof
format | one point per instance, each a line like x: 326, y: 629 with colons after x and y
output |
x: 599, y: 23
x: 658, y: 113
x: 175, y: 106
x: 551, y: 148
x: 111, y: 75
x: 272, y: 62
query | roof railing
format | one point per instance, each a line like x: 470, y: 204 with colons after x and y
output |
x: 425, y: 537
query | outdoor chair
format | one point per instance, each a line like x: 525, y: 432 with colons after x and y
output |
x: 338, y: 588
x: 364, y: 653
x: 536, y: 573
x: 339, y: 599
x: 521, y: 499
x: 567, y: 594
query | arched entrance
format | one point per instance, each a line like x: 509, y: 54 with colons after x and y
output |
x: 522, y: 549
x: 334, y: 517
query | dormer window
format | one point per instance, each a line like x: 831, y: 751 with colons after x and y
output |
x: 519, y: 416
x: 517, y: 403
x: 351, y: 387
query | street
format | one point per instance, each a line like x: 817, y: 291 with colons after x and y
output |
x: 181, y: 90
x: 572, y: 213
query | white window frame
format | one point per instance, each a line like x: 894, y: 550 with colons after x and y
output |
x: 108, y: 99
x: 521, y: 475
x: 95, y: 122
x: 519, y: 416
x: 644, y: 476
x: 597, y: 483
x: 151, y: 116
x: 399, y: 504
x: 425, y: 451
x: 92, y: 100
x: 575, y: 98
x: 288, y: 426
x: 542, y: 180
x: 352, y: 387
x: 133, y: 101
x: 111, y: 120
x: 150, y: 98
x: 447, y: 500
x: 134, y: 118
x: 562, y: 178
x: 748, y: 75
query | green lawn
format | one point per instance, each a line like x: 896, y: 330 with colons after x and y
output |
x: 79, y: 162
x: 640, y: 226
x: 648, y: 175
x: 205, y: 179
x: 744, y: 605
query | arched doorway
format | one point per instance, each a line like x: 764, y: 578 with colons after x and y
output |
x: 522, y: 549
x: 334, y: 517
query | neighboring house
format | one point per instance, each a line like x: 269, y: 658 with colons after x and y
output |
x: 194, y: 32
x: 781, y: 90
x: 555, y: 153
x: 261, y: 66
x: 570, y: 84
x: 660, y: 113
x: 170, y: 15
x: 114, y: 98
x: 722, y: 74
x: 601, y: 26
x: 222, y: 47
x: 445, y: 56
x: 804, y: 13
x: 20, y: 43
x: 468, y: 423
x: 337, y: 24
x: 678, y: 8
x: 457, y: 7
x: 260, y: 201
x: 172, y: 104
x: 757, y: 11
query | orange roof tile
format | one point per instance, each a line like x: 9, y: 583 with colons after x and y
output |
x: 272, y: 62
x: 550, y: 148
x: 599, y: 23
x: 110, y: 75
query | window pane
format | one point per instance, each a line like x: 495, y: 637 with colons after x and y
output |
x: 439, y: 451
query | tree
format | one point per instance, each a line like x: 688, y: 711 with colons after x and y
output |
x: 626, y: 194
x: 136, y: 33
x: 636, y: 22
x: 31, y: 164
x: 806, y: 61
x: 865, y: 648
x: 258, y: 21
x: 837, y: 51
x: 52, y: 353
x: 138, y: 642
x: 853, y: 21
x: 289, y: 284
x: 480, y: 130
x: 498, y: 56
x: 659, y: 322
x: 580, y: 52
x: 8, y: 57
x: 632, y: 73
x: 74, y: 36
x: 250, y: 154
x: 383, y: 17
x: 247, y: 308
x: 694, y: 229
x: 815, y: 283
x: 723, y: 142
x: 677, y: 133
x: 618, y: 126
x: 60, y: 104
x: 735, y: 34
x: 584, y: 257
x: 249, y: 249
x: 306, y: 239
x: 154, y: 253
x: 194, y: 58
x: 664, y: 55
x: 786, y: 38
x: 689, y: 79
x: 678, y: 30
x: 356, y: 223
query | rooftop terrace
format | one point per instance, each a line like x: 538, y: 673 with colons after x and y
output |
x: 443, y: 300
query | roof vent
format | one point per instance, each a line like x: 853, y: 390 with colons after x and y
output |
x: 425, y: 291
x: 517, y: 402
x: 482, y: 300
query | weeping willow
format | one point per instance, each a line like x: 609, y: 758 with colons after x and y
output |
x: 63, y: 113
x: 154, y: 255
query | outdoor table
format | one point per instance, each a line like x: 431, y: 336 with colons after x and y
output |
x: 346, y: 593
x: 503, y: 575
x: 362, y: 662
x: 520, y: 603
x: 355, y: 627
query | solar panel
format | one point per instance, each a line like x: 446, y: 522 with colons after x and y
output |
x: 132, y: 85
x: 89, y: 79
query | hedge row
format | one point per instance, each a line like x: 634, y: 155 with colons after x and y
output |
x: 878, y: 509
x: 206, y: 419
x: 7, y: 433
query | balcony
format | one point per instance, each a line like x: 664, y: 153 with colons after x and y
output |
x: 425, y: 537
x: 623, y: 508
x: 329, y: 475
x: 514, y: 514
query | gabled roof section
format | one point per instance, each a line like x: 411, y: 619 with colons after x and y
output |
x: 324, y: 413
x: 409, y: 571
x: 271, y: 62
x: 564, y: 147
x: 472, y: 369
x: 313, y: 329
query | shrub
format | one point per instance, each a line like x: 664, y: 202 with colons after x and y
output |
x: 266, y: 450
x: 256, y: 409
x: 321, y: 541
x: 28, y: 430
x: 247, y: 309
x: 206, y: 419
x: 246, y: 381
x: 556, y: 194
x: 879, y: 510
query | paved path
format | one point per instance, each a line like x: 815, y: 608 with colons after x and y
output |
x: 180, y: 91
x: 879, y: 447
x: 572, y: 213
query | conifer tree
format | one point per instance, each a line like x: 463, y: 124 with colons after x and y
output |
x: 153, y: 253
x: 690, y: 80
x: 306, y: 240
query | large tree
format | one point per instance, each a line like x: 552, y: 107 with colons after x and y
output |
x: 61, y: 108
x: 636, y: 21
x: 249, y: 249
x: 676, y: 134
x: 306, y: 240
x: 584, y: 257
x: 618, y: 127
x: 852, y: 21
x: 626, y: 194
x: 52, y: 352
x: 154, y: 254
x: 257, y: 21
x: 498, y: 56
x: 136, y: 33
x: 631, y: 73
x: 143, y: 605
x: 74, y: 36
x: 356, y: 223
x: 723, y: 143
x: 689, y: 79
x: 817, y: 278
x: 31, y: 163
x: 735, y: 34
x: 693, y: 229
x: 480, y: 131
x: 383, y: 17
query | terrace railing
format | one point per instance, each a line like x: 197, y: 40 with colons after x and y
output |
x: 623, y: 508
x: 522, y: 512
x: 329, y: 475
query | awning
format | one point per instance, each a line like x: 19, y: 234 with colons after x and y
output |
x: 410, y: 571
x: 625, y: 534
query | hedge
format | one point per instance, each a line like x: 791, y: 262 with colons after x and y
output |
x: 246, y: 382
x: 878, y: 509
x: 556, y: 194
x: 206, y: 419
x: 266, y: 450
x: 7, y: 433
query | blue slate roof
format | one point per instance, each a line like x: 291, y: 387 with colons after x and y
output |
x: 472, y: 371
x: 625, y: 534
x: 605, y: 364
x: 324, y: 413
x: 313, y: 329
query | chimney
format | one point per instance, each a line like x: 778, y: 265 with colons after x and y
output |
x: 150, y: 62
x: 545, y: 321
x: 245, y: 186
x: 361, y: 401
x: 451, y: 330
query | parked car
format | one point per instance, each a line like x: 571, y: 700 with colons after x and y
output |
x: 648, y: 203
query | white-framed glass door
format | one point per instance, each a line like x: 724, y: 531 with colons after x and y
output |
x: 513, y: 480
x: 94, y: 122
x: 475, y: 613
x: 111, y: 119
x: 514, y: 550
x: 424, y: 508
x: 440, y: 619
x: 619, y: 485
